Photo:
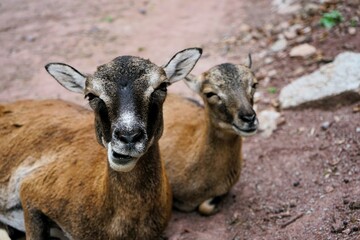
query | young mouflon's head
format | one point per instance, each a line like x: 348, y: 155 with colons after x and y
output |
x: 228, y: 91
x: 126, y: 96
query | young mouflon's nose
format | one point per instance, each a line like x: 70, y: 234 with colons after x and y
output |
x: 248, y: 118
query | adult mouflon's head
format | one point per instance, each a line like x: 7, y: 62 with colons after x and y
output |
x: 228, y: 90
x: 127, y: 95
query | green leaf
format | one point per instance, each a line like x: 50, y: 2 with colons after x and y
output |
x: 272, y: 90
x: 331, y: 19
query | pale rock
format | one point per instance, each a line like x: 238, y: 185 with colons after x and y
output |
x: 268, y: 60
x: 336, y: 83
x: 352, y: 30
x: 311, y: 8
x: 245, y: 28
x: 286, y: 6
x: 268, y: 120
x: 304, y: 50
x: 290, y: 34
x: 279, y: 45
x: 272, y: 73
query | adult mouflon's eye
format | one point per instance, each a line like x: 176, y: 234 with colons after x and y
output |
x: 162, y: 86
x: 90, y: 96
x: 254, y: 85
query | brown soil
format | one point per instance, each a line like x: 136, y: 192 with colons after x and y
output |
x: 301, y: 183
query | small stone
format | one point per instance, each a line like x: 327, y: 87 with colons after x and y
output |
x: 279, y: 45
x: 345, y: 201
x: 245, y: 28
x: 272, y: 73
x: 292, y: 203
x: 299, y: 71
x: 347, y: 231
x: 358, y: 129
x: 304, y: 50
x: 289, y: 34
x: 325, y: 125
x: 329, y: 189
x: 311, y: 8
x: 268, y: 121
x: 337, y: 118
x: 284, y: 25
x: 268, y: 60
x: 352, y: 30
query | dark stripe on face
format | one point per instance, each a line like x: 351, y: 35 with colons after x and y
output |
x: 102, y: 121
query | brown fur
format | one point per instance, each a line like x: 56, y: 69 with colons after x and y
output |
x: 75, y: 179
x: 201, y: 150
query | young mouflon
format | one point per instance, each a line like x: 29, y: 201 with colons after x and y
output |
x: 201, y: 146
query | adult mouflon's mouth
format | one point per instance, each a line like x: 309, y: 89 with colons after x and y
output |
x: 121, y: 158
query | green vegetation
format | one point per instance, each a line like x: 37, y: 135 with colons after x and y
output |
x: 108, y: 19
x: 329, y: 20
x: 272, y: 90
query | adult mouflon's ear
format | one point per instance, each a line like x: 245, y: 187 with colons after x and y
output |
x: 182, y: 63
x: 67, y: 76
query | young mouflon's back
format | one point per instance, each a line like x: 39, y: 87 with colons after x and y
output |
x: 53, y: 172
x: 201, y: 146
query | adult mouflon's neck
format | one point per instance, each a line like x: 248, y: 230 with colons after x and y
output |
x: 145, y: 179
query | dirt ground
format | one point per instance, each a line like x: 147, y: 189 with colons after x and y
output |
x: 300, y: 183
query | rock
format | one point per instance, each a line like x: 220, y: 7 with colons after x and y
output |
x: 286, y: 6
x: 311, y: 8
x: 268, y: 120
x: 304, y: 50
x: 325, y: 125
x: 352, y: 30
x: 336, y: 83
x: 245, y: 28
x: 290, y: 34
x: 279, y: 45
x: 358, y: 129
x: 268, y: 60
x: 329, y: 189
x: 272, y: 73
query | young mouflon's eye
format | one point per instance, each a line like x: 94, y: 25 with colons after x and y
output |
x: 254, y: 85
x: 210, y: 94
x: 90, y: 96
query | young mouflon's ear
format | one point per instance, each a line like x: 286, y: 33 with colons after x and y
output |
x: 193, y: 82
x: 67, y: 76
x: 182, y: 63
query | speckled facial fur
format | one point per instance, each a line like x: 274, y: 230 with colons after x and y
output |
x: 228, y: 90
